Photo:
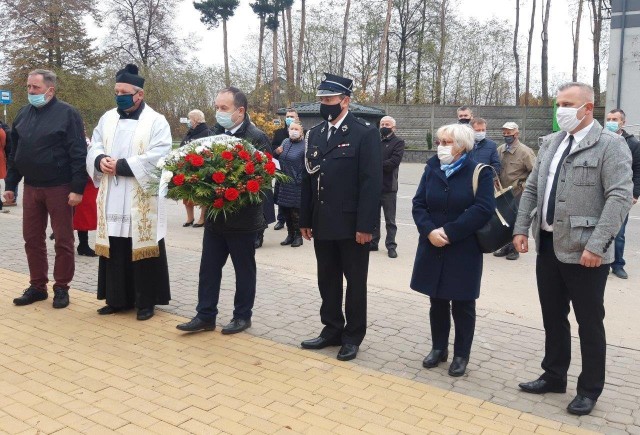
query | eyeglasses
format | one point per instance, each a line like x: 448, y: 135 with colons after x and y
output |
x: 445, y: 142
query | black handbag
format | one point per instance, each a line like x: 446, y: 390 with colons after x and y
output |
x: 499, y: 230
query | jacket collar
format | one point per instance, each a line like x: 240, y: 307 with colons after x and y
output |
x: 239, y: 132
x: 434, y: 164
x: 340, y: 135
x: 198, y: 129
x: 132, y: 115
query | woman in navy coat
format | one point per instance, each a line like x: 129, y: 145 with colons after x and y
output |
x: 448, y: 265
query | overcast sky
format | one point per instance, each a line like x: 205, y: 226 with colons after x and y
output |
x: 560, y: 47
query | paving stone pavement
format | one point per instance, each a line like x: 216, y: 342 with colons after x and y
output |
x: 73, y: 372
x: 286, y: 311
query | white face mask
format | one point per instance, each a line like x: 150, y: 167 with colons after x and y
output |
x: 568, y: 118
x: 294, y: 134
x: 445, y: 154
x: 480, y: 135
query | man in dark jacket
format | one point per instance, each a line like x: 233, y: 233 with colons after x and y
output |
x: 278, y: 136
x: 485, y: 150
x: 340, y: 209
x: 615, y: 122
x: 239, y: 125
x: 392, y: 151
x: 233, y: 235
x: 49, y: 151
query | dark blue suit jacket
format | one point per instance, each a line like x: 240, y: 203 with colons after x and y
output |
x: 486, y: 151
x: 454, y: 271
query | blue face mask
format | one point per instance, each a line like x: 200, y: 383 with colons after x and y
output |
x: 288, y: 121
x: 125, y: 101
x: 225, y: 119
x: 38, y: 100
x: 612, y: 126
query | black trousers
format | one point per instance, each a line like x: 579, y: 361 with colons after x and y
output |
x: 216, y: 248
x: 124, y: 283
x: 338, y: 258
x: 464, y: 320
x: 388, y: 203
x: 558, y: 284
x: 292, y: 218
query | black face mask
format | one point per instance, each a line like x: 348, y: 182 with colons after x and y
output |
x: 464, y: 121
x: 330, y: 111
x: 385, y: 131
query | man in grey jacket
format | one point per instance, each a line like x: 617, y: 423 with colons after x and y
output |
x: 576, y: 198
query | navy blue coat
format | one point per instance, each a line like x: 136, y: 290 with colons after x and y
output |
x: 486, y: 151
x: 292, y: 164
x: 454, y: 271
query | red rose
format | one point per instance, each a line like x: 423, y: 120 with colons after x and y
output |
x: 178, y: 180
x: 244, y: 155
x: 253, y: 186
x: 218, y: 203
x: 250, y: 168
x: 239, y: 147
x: 258, y: 156
x: 188, y: 157
x: 197, y: 160
x: 231, y: 194
x: 227, y: 155
x: 218, y: 177
x: 269, y: 156
x: 270, y: 168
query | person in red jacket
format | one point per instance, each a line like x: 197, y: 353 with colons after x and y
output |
x: 85, y: 216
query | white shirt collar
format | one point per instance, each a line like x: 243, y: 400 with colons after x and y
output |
x: 236, y: 128
x: 581, y: 134
x: 339, y: 123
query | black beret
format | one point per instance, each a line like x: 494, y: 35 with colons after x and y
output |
x: 129, y: 74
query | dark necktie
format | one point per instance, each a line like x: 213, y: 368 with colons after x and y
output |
x: 332, y: 131
x: 228, y: 133
x: 551, y: 205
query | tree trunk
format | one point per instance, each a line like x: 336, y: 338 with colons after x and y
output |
x: 576, y: 42
x: 516, y: 56
x: 300, y: 48
x: 544, y: 64
x: 442, y: 52
x: 418, y: 92
x: 596, y: 30
x: 275, y: 85
x: 260, y: 46
x: 386, y: 71
x: 345, y: 28
x: 227, y: 80
x: 529, y: 43
x: 291, y: 90
x: 285, y: 47
x: 383, y: 49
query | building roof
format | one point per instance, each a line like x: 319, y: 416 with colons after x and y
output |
x: 314, y: 109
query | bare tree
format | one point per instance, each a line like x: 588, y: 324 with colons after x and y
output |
x: 529, y: 43
x: 516, y: 56
x: 384, y: 44
x: 544, y: 64
x: 344, y: 36
x: 303, y: 17
x: 442, y: 30
x: 291, y: 90
x: 576, y: 41
x: 596, y: 7
x: 273, y: 24
x: 142, y: 30
x: 261, y: 8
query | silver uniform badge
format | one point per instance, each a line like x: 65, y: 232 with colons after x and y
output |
x: 345, y: 128
x: 315, y: 154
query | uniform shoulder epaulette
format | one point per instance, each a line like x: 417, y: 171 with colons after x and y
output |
x: 363, y: 122
x: 318, y: 124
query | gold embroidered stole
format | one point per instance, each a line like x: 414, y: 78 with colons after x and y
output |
x: 144, y: 219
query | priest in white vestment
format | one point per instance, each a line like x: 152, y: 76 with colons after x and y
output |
x: 125, y: 148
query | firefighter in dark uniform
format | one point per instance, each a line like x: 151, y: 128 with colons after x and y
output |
x: 341, y: 190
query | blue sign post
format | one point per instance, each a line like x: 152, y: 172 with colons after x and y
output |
x: 5, y: 99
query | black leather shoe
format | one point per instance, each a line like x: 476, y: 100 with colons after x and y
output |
x: 236, y: 325
x: 197, y: 324
x: 581, y: 405
x: 288, y: 240
x: 108, y: 309
x: 145, y: 313
x: 347, y: 352
x: 30, y: 296
x: 297, y: 240
x: 513, y: 255
x: 620, y: 273
x: 320, y: 343
x: 502, y: 252
x: 278, y: 226
x: 60, y: 297
x: 198, y: 225
x: 187, y: 224
x: 541, y: 386
x: 86, y: 251
x: 393, y: 253
x: 434, y: 358
x: 259, y: 240
x: 458, y: 366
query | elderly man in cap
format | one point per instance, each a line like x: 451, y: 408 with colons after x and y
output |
x: 340, y: 210
x: 517, y: 162
x: 125, y: 148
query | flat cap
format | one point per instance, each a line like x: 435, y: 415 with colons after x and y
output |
x: 510, y: 126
